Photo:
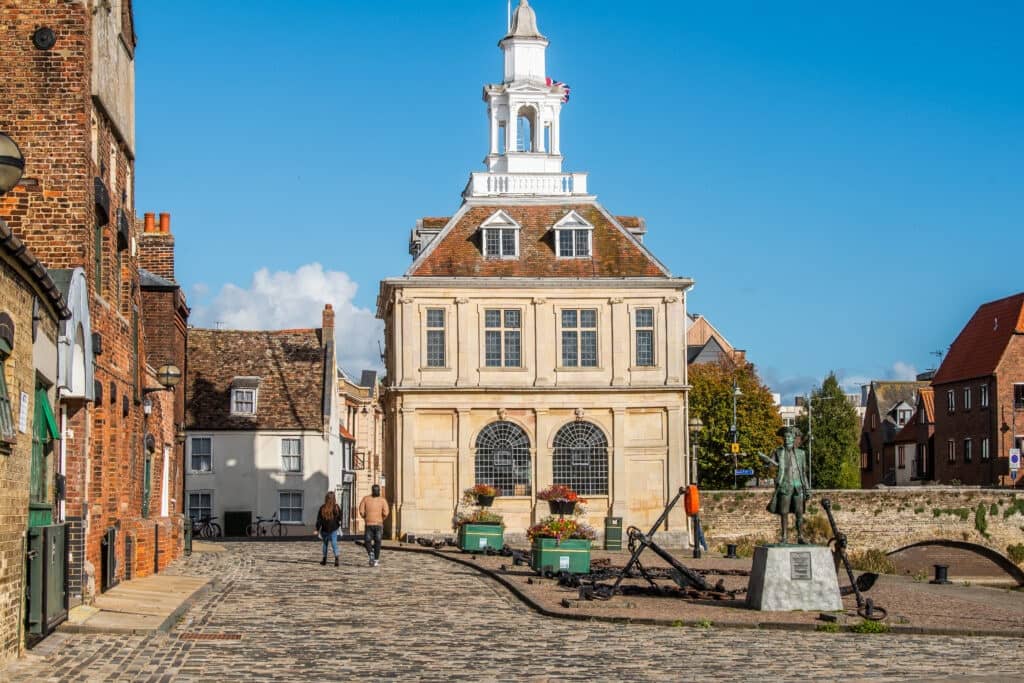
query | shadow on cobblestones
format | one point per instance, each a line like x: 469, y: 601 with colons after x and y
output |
x: 275, y: 614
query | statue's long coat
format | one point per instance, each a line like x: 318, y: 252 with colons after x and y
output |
x: 782, y: 480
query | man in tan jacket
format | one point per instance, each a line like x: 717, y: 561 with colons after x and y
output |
x: 374, y: 510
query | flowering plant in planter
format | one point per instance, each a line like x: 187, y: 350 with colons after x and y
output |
x: 481, y: 516
x: 471, y: 494
x: 561, y: 529
x: 560, y: 493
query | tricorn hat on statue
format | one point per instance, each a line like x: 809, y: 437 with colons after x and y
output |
x: 794, y: 430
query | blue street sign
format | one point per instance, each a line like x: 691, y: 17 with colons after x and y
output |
x: 744, y: 473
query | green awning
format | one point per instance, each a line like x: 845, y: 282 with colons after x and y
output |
x: 51, y: 421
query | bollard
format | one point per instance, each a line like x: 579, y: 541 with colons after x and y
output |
x: 730, y: 551
x: 941, y: 574
x: 188, y: 538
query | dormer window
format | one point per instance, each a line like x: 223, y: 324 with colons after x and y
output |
x: 500, y: 237
x: 244, y: 395
x: 573, y: 237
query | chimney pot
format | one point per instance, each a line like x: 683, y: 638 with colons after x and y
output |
x: 165, y: 222
x: 150, y: 225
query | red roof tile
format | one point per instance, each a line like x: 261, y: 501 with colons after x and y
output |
x: 928, y: 401
x: 459, y: 254
x: 435, y: 221
x: 980, y: 345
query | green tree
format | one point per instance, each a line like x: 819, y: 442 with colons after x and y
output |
x: 757, y: 421
x: 836, y: 430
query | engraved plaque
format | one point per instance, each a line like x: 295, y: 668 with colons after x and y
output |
x: 800, y: 566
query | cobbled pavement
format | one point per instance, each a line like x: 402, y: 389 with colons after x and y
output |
x: 274, y: 614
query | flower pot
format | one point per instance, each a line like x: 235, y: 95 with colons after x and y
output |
x: 484, y: 501
x: 476, y: 538
x: 562, y: 507
x: 568, y: 555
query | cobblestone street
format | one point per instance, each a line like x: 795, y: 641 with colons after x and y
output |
x: 275, y: 614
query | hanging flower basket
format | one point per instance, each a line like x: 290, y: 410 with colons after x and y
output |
x: 480, y: 494
x: 484, y: 501
x: 561, y: 499
x: 562, y: 507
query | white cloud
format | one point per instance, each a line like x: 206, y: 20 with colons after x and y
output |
x: 283, y: 300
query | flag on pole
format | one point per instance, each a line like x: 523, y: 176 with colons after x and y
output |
x: 558, y: 84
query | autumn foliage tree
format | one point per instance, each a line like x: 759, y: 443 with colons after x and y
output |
x: 757, y: 421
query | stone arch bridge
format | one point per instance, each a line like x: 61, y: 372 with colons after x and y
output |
x: 917, y: 524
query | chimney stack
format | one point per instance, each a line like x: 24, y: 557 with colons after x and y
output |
x: 328, y: 324
x: 156, y: 246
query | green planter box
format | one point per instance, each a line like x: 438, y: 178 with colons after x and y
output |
x: 475, y: 538
x: 571, y: 555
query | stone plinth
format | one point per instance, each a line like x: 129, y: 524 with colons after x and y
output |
x: 786, y: 578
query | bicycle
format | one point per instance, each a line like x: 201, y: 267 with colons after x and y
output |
x: 257, y: 527
x: 206, y: 528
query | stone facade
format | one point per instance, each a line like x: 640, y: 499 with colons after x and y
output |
x: 534, y: 340
x: 71, y: 109
x: 30, y: 366
x: 362, y: 432
x: 885, y: 520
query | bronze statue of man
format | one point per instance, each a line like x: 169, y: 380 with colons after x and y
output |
x: 792, y: 488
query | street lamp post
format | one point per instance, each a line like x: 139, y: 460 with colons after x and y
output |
x: 736, y: 393
x: 696, y: 425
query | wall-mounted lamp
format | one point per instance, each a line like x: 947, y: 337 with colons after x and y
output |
x: 12, y: 164
x: 168, y: 375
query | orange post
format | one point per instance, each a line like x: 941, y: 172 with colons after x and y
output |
x: 691, y: 500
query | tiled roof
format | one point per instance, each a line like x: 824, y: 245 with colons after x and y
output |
x: 630, y: 221
x: 927, y: 399
x: 345, y: 434
x: 288, y: 363
x: 980, y: 345
x: 435, y: 221
x: 457, y: 251
x: 888, y: 394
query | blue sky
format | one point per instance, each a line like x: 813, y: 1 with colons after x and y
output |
x: 843, y: 182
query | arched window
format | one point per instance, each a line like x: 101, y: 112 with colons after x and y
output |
x: 526, y: 126
x: 581, y: 458
x: 503, y: 458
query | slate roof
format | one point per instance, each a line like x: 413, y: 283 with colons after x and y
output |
x: 980, y: 345
x: 43, y: 278
x: 888, y: 394
x: 456, y: 252
x: 368, y: 379
x: 288, y: 363
x: 150, y: 280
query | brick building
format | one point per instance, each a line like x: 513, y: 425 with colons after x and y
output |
x: 67, y: 98
x: 889, y: 407
x: 262, y: 425
x: 979, y: 396
x: 31, y: 307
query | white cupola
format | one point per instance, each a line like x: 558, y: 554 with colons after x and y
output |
x: 525, y: 156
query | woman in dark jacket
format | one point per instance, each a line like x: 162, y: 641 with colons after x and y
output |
x: 327, y: 522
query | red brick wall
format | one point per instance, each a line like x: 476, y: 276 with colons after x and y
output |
x: 47, y: 108
x: 156, y: 246
x: 1010, y: 371
x: 975, y: 423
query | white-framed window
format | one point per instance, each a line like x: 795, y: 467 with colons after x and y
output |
x: 902, y: 416
x: 243, y: 401
x: 291, y: 454
x: 983, y: 395
x: 290, y: 507
x: 500, y: 237
x: 901, y: 457
x: 950, y: 400
x: 573, y: 237
x: 435, y: 338
x: 503, y: 338
x: 968, y: 451
x: 951, y: 450
x: 200, y: 504
x: 643, y: 319
x: 984, y: 448
x: 967, y: 398
x: 200, y: 454
x: 579, y: 338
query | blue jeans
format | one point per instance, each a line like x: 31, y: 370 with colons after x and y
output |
x: 332, y: 538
